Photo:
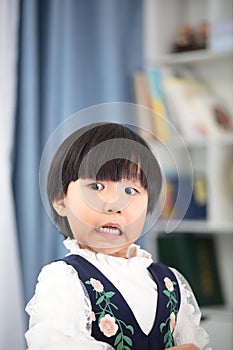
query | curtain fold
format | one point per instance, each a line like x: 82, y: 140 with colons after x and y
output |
x: 73, y: 54
x: 11, y: 296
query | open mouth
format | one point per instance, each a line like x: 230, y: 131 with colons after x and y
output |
x: 110, y: 229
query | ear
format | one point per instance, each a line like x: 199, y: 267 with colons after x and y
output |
x: 59, y: 206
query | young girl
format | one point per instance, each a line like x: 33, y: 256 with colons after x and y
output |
x: 107, y: 293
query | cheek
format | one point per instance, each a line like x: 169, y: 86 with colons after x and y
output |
x: 80, y: 225
x: 81, y: 219
x: 139, y: 207
x: 135, y: 226
x: 136, y: 217
x: 78, y: 213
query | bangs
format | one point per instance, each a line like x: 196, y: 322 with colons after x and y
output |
x: 114, y: 160
x: 116, y: 170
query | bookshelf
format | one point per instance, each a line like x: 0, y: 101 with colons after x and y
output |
x: 190, y: 57
x: 212, y: 156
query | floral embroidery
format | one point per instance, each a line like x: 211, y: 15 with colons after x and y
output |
x: 172, y: 321
x: 97, y: 285
x: 169, y: 323
x: 168, y: 284
x: 109, y: 325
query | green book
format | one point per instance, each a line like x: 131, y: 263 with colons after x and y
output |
x: 194, y: 256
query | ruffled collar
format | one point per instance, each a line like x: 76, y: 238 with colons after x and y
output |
x: 133, y: 253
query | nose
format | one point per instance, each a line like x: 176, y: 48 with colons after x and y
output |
x: 112, y: 207
x: 114, y: 201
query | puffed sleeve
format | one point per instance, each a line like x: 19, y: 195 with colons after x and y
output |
x: 188, y: 329
x: 60, y: 312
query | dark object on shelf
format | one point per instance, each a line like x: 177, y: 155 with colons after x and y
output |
x: 185, y: 40
x: 202, y: 35
x: 189, y: 39
x: 223, y: 119
x: 194, y: 256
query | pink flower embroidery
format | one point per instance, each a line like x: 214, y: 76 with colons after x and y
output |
x: 172, y: 321
x: 97, y: 285
x: 107, y: 322
x: 168, y: 326
x: 108, y: 326
x: 168, y: 284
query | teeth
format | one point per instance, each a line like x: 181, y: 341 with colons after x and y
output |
x: 113, y: 231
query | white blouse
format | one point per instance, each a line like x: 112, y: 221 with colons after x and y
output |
x: 60, y: 310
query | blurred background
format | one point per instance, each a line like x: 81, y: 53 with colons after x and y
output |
x: 172, y: 56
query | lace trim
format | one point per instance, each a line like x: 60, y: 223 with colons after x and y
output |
x: 46, y: 279
x: 133, y: 250
x: 188, y: 329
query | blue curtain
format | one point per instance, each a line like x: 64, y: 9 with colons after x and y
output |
x: 73, y: 54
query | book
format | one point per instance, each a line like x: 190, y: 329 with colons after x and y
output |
x: 178, y: 96
x: 194, y: 256
x: 196, y: 209
x: 158, y: 102
x: 197, y: 111
x: 141, y: 89
x: 142, y: 97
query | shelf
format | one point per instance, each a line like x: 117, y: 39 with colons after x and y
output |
x: 219, y: 312
x: 197, y: 226
x: 222, y: 140
x: 189, y: 57
x: 211, y: 156
x: 218, y: 323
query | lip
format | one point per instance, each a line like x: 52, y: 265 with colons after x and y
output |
x: 110, y: 229
x: 112, y: 224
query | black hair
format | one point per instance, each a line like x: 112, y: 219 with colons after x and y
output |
x: 102, y: 151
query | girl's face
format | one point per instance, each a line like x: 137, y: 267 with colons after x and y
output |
x: 105, y: 216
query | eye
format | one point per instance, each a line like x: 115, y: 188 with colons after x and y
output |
x: 130, y: 191
x: 96, y: 186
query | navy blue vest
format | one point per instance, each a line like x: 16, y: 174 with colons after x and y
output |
x: 114, y: 322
